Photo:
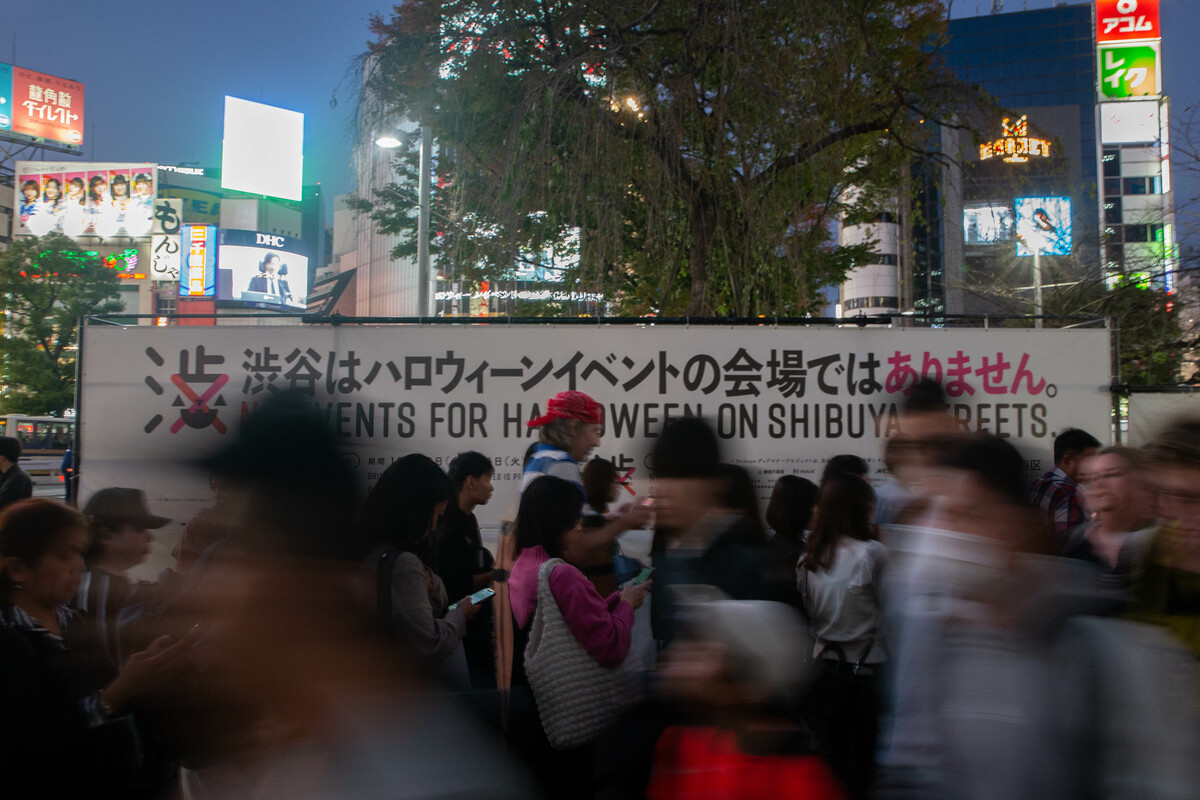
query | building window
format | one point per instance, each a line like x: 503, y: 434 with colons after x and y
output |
x: 165, y: 305
x: 1112, y: 211
x: 1112, y: 163
x: 1133, y: 186
x: 886, y: 216
x: 886, y: 258
x: 871, y: 302
x: 1112, y: 187
x: 1143, y: 233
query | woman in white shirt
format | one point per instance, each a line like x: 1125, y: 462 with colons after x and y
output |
x: 838, y: 579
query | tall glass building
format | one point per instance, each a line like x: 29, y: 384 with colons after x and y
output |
x: 996, y: 223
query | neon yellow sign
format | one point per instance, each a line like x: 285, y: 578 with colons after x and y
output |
x: 1016, y: 145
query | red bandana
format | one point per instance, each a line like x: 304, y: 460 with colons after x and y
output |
x: 571, y: 405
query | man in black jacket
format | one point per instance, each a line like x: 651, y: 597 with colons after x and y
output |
x: 14, y: 482
x: 463, y: 563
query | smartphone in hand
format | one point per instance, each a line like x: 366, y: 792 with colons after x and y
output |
x: 643, y: 576
x: 477, y: 598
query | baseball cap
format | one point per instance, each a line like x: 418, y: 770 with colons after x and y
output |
x: 117, y: 506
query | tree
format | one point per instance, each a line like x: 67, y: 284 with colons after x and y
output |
x: 701, y: 148
x: 46, y: 284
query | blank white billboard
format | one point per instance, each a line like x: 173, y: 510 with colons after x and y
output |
x: 263, y: 149
x: 1130, y: 122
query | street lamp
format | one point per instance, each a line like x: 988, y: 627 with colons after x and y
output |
x: 389, y: 141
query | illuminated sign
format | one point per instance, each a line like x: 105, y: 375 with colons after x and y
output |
x: 1043, y: 226
x: 164, y: 257
x: 96, y: 199
x: 988, y: 223
x: 263, y: 149
x: 126, y: 262
x: 40, y: 107
x: 1128, y: 70
x: 198, y: 275
x: 1016, y: 145
x: 1126, y: 20
x: 182, y: 170
x: 263, y: 270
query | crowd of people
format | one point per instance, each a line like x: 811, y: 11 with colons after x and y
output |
x: 956, y: 632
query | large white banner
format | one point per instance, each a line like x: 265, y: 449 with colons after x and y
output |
x: 783, y: 400
x: 1148, y: 413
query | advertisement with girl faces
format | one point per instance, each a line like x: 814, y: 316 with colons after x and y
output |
x: 96, y: 199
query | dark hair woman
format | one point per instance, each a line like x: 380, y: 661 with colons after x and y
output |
x: 397, y: 522
x: 55, y: 712
x: 599, y: 485
x: 789, y: 513
x: 838, y: 580
x: 548, y: 528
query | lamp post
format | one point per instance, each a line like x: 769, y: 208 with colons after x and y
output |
x: 389, y: 141
x: 424, y: 296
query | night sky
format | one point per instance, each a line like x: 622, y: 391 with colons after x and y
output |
x: 157, y: 73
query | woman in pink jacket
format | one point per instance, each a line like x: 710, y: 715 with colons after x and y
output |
x: 549, y: 526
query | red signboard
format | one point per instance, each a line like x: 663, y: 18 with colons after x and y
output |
x: 1127, y: 20
x: 47, y: 107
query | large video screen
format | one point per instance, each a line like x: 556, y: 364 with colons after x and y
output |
x: 77, y: 199
x: 263, y: 149
x: 1043, y: 226
x: 988, y: 223
x: 262, y: 270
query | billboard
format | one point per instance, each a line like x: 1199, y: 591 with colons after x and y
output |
x: 989, y: 223
x: 263, y: 149
x: 1132, y: 122
x: 88, y: 199
x: 1127, y: 20
x: 262, y: 270
x: 1129, y: 70
x: 37, y: 106
x: 1043, y: 226
x: 783, y: 400
x: 165, y: 257
x: 198, y: 244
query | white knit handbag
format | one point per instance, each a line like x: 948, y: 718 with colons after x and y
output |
x: 577, y: 699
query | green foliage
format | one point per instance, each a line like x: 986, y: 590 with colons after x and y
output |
x: 703, y: 149
x: 45, y: 286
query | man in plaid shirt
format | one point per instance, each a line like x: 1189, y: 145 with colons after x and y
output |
x: 1056, y: 491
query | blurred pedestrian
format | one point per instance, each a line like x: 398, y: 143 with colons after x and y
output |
x: 838, y: 580
x: 398, y: 520
x: 1007, y: 679
x: 209, y: 525
x: 698, y: 540
x: 1056, y: 491
x: 463, y: 563
x: 1169, y: 592
x: 300, y: 693
x: 570, y: 641
x: 737, y: 668
x: 894, y: 493
x: 15, y: 483
x: 113, y: 606
x: 1118, y: 535
x: 55, y: 710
